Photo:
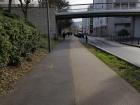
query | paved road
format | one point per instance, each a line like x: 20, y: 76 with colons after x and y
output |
x: 128, y: 53
x: 71, y: 75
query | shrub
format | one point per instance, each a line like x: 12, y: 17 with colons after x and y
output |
x: 30, y: 24
x: 44, y: 42
x: 123, y: 32
x: 10, y: 15
x: 17, y: 39
x: 55, y: 38
x: 5, y: 48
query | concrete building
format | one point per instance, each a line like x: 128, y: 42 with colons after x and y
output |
x: 95, y: 26
x: 110, y: 26
x: 85, y: 25
x: 100, y: 23
x: 115, y: 24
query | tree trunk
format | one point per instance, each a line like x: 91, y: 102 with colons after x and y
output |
x: 26, y: 12
x: 25, y: 8
x: 9, y: 6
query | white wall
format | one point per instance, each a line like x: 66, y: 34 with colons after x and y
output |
x: 38, y: 16
x: 85, y: 25
x: 101, y: 21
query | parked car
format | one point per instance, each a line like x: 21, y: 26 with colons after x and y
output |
x: 80, y: 35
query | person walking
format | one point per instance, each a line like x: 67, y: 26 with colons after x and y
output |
x: 64, y: 35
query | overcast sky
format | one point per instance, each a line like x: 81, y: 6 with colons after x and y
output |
x: 80, y: 1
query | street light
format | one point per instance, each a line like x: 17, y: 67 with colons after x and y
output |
x: 48, y: 27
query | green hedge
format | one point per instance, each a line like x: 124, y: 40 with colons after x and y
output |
x: 17, y: 40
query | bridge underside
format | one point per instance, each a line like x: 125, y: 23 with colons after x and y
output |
x: 102, y: 13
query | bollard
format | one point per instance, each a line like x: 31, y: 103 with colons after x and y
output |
x: 131, y: 40
x: 86, y: 39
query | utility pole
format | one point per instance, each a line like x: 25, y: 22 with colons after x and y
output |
x: 48, y: 27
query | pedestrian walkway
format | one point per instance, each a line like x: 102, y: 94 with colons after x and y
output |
x: 71, y: 75
x: 128, y: 53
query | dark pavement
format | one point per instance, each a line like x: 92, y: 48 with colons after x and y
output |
x: 71, y: 75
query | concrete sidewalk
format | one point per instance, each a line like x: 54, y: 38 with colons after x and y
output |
x: 71, y: 75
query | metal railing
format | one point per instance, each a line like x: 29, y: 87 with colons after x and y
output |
x: 18, y: 5
x: 101, y: 6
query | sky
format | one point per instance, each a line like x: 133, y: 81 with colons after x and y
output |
x: 79, y: 2
x: 76, y: 1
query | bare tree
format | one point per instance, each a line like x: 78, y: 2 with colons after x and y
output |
x: 24, y: 6
x: 59, y: 4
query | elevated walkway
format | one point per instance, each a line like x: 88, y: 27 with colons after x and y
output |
x: 99, y: 13
x: 99, y: 10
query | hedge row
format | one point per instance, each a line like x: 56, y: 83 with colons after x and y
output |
x: 17, y: 40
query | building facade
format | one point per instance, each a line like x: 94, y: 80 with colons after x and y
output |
x: 100, y: 23
x: 95, y: 26
x: 110, y: 26
x: 116, y: 24
x: 85, y: 25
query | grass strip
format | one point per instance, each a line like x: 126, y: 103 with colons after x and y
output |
x: 126, y: 70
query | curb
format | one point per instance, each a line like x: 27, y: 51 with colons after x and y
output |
x: 129, y: 44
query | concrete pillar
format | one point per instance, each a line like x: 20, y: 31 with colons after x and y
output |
x: 136, y: 27
x: 133, y: 27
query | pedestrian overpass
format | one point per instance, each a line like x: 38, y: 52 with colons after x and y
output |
x: 99, y: 10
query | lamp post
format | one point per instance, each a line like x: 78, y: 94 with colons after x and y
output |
x: 48, y: 27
